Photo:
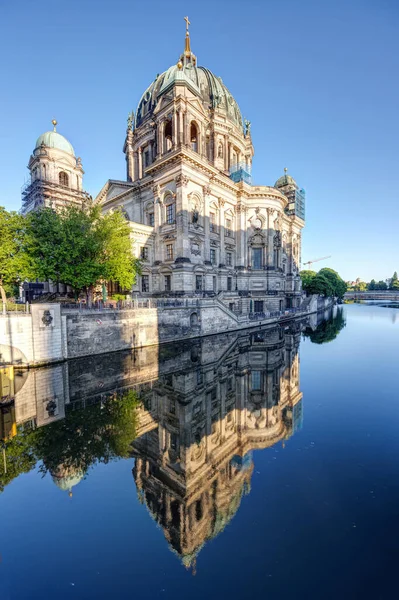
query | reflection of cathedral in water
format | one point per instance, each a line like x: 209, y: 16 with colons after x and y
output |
x: 199, y: 425
x: 205, y: 406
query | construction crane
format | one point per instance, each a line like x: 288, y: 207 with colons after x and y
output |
x: 310, y: 262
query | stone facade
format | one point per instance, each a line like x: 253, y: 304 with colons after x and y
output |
x: 198, y: 224
x: 50, y: 334
x: 55, y: 174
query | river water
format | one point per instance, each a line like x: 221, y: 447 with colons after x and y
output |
x: 259, y: 464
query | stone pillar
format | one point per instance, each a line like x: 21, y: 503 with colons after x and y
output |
x: 140, y: 161
x: 187, y: 130
x: 136, y: 165
x: 207, y: 246
x: 226, y: 153
x: 241, y: 260
x: 182, y: 241
x: 270, y: 234
x: 174, y: 132
x: 222, y: 257
x: 157, y: 221
x: 181, y: 130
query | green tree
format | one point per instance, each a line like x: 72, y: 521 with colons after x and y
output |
x: 381, y: 285
x: 394, y: 282
x: 14, y: 262
x: 320, y: 285
x: 372, y: 285
x: 339, y: 286
x: 306, y: 278
x: 81, y: 247
x: 361, y: 286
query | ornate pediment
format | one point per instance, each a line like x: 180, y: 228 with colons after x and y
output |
x: 258, y: 239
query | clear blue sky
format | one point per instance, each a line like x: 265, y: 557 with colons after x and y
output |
x: 318, y: 80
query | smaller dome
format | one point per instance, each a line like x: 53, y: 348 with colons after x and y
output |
x: 285, y: 180
x: 66, y: 479
x: 52, y: 139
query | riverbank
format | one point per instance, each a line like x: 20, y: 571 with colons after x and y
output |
x: 51, y: 333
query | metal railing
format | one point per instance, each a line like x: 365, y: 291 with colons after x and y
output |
x: 13, y: 307
x: 139, y: 303
x: 259, y: 316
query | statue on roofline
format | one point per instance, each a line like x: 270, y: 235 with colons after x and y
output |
x: 247, y: 127
x: 130, y: 121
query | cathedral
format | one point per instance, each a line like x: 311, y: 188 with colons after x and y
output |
x: 198, y: 224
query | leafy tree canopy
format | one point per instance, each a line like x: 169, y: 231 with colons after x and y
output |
x: 338, y: 285
x: 81, y: 247
x: 15, y: 265
x: 306, y: 278
x: 326, y: 282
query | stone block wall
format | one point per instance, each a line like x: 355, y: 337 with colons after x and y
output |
x: 46, y: 336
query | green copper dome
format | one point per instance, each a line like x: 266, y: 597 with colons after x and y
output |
x: 52, y: 139
x: 203, y: 83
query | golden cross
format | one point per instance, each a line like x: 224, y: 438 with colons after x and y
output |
x: 187, y: 22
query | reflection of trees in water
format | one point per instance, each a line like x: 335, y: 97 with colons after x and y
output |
x: 18, y: 455
x: 97, y: 433
x: 327, y: 330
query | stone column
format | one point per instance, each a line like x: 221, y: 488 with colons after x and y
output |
x: 222, y: 257
x: 129, y: 157
x: 207, y: 246
x: 182, y: 241
x: 181, y: 131
x: 174, y: 132
x: 270, y: 234
x: 187, y: 130
x: 136, y: 165
x: 241, y: 243
x: 184, y: 129
x: 157, y: 221
x: 140, y: 157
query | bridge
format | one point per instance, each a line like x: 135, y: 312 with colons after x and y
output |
x: 373, y: 295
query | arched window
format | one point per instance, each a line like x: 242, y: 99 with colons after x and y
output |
x: 168, y: 136
x: 220, y: 150
x: 194, y: 137
x: 63, y: 178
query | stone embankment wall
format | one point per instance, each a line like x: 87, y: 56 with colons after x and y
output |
x: 50, y: 334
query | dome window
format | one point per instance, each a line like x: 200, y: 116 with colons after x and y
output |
x: 194, y: 137
x: 63, y: 178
